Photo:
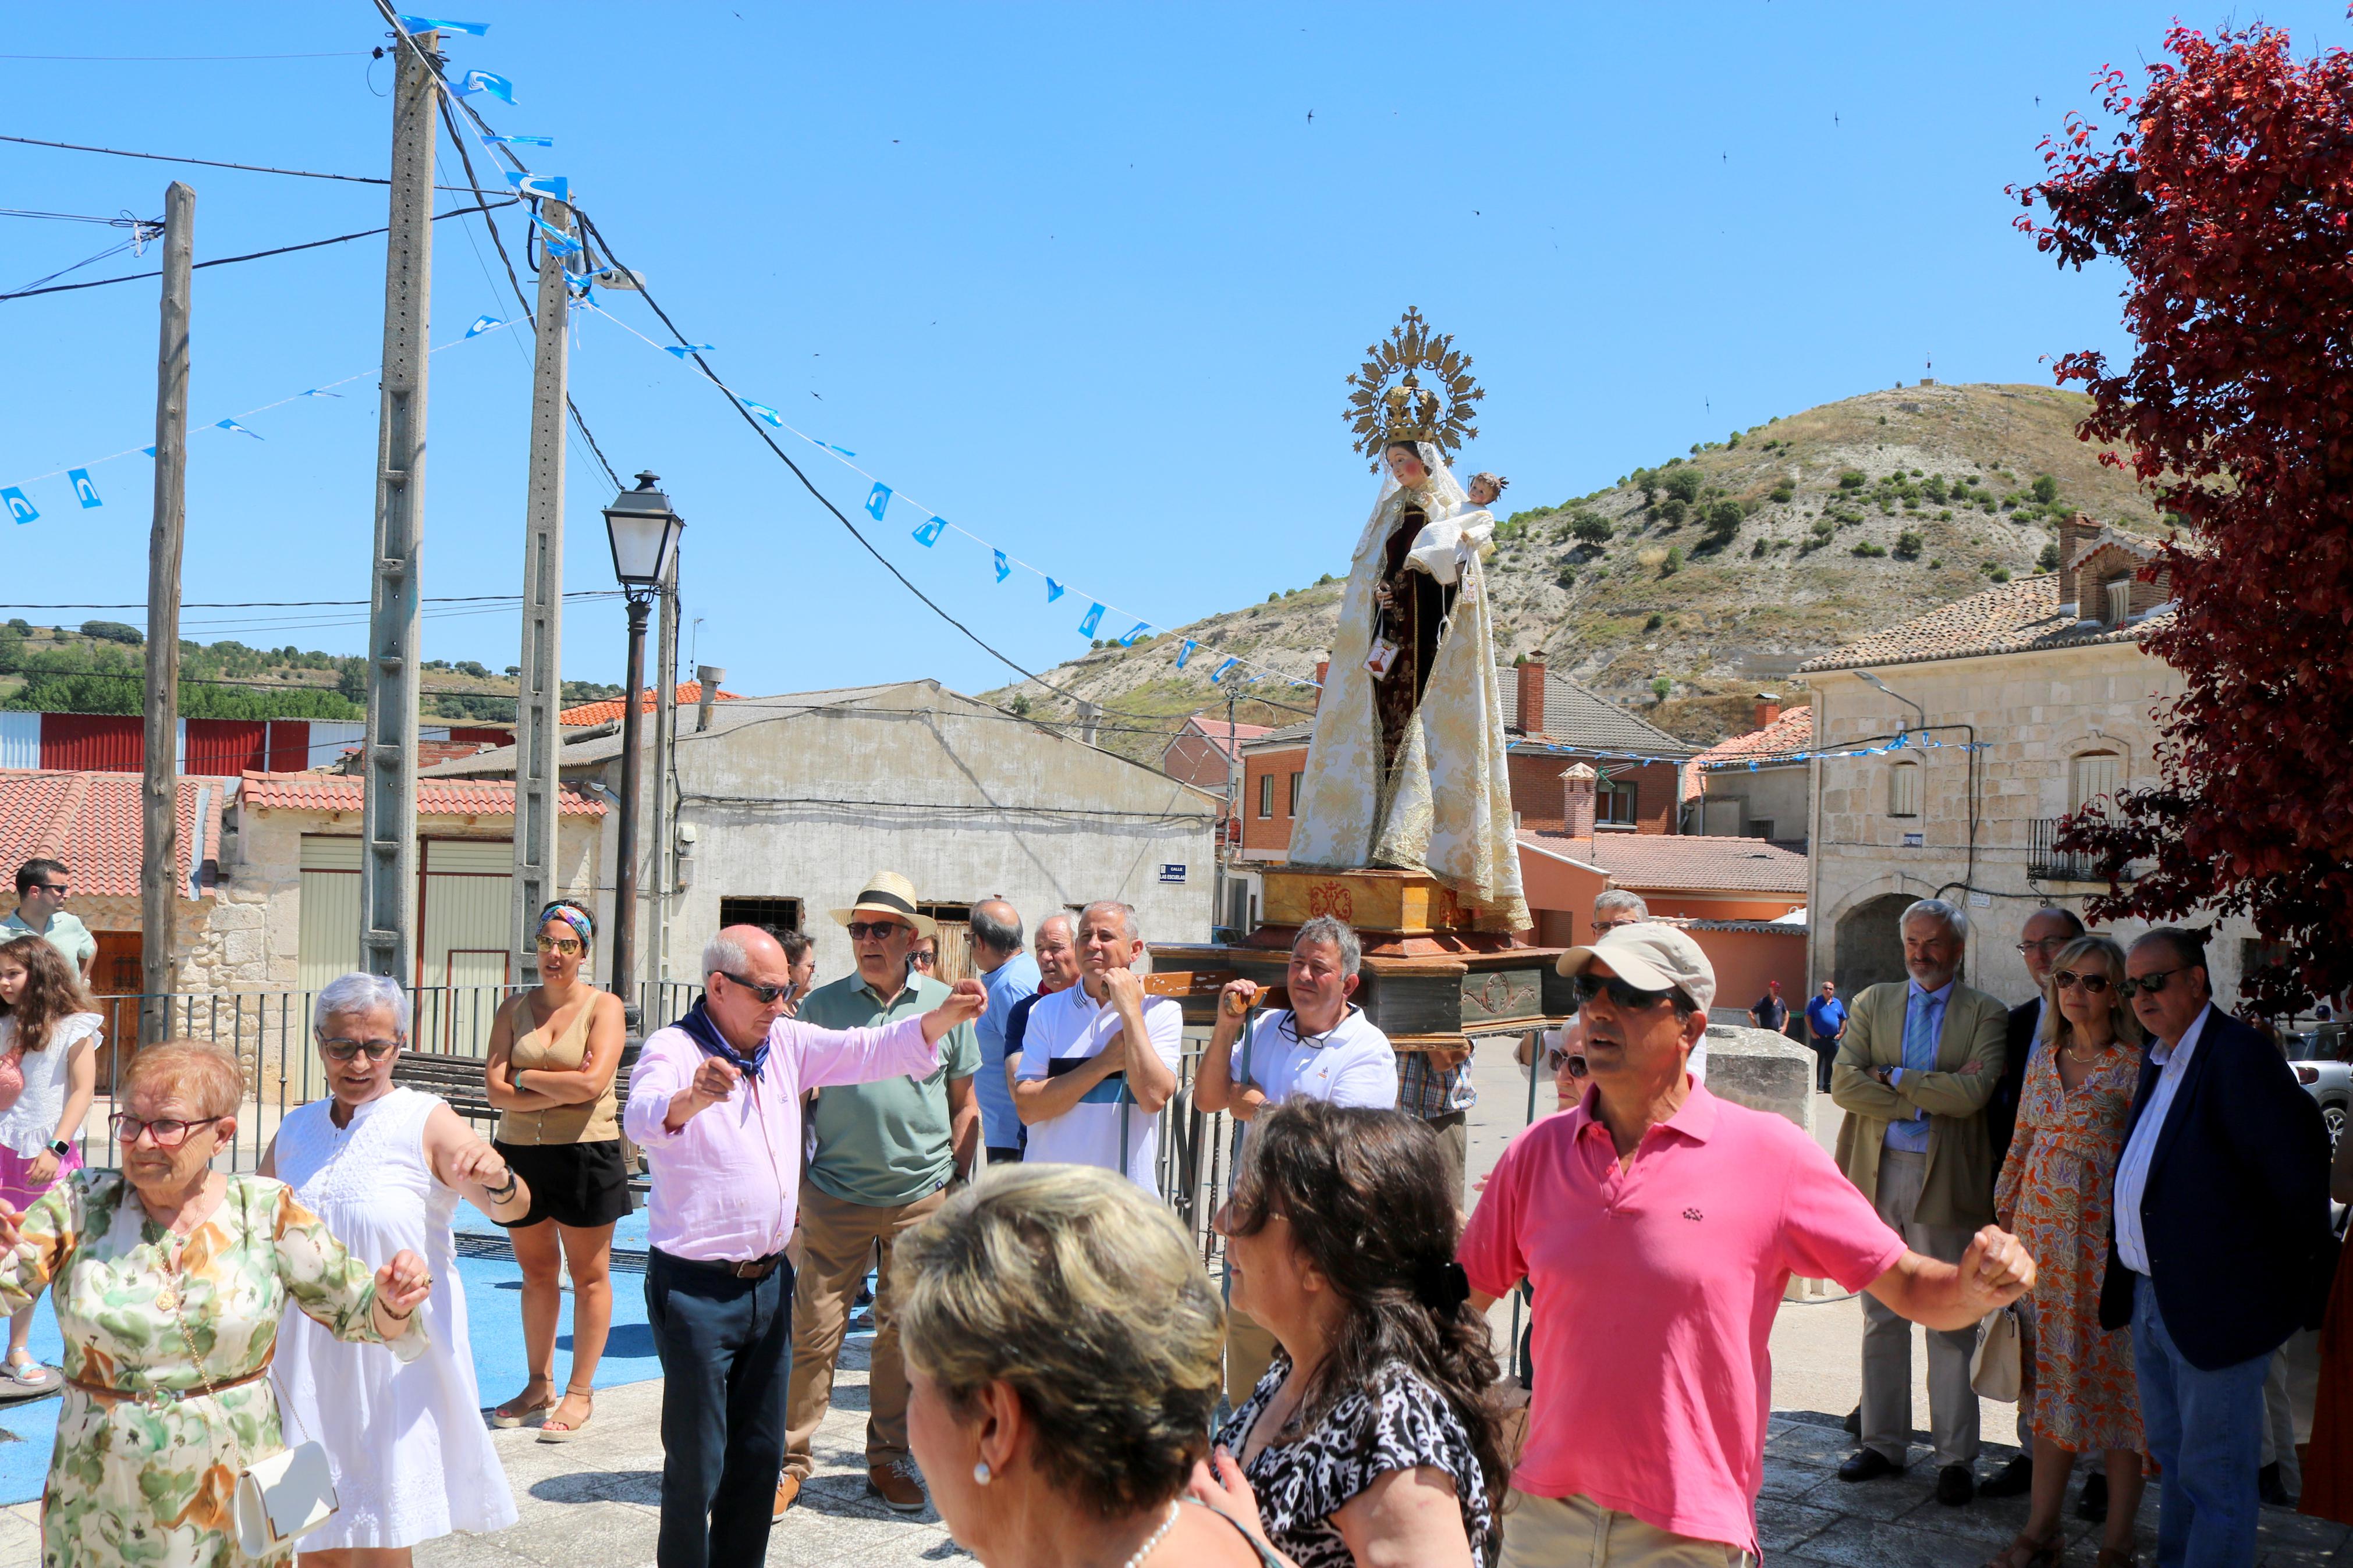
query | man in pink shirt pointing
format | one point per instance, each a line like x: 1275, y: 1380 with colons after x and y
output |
x: 716, y: 1102
x: 1659, y: 1226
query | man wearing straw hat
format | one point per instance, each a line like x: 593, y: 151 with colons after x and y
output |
x: 881, y: 1155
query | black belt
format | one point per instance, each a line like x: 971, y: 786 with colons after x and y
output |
x: 754, y: 1268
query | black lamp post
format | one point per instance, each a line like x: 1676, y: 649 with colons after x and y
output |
x: 644, y: 532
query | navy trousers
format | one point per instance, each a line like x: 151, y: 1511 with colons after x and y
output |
x: 726, y: 1346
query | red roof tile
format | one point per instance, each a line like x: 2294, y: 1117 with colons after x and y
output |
x: 1221, y: 735
x: 1792, y: 733
x: 1682, y: 862
x: 95, y: 824
x: 435, y: 797
x: 689, y: 692
x: 2016, y: 617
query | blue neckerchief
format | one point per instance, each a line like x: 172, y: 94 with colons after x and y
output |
x: 707, y: 1038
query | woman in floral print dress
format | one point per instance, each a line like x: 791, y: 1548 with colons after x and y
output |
x: 169, y: 1280
x: 2056, y: 1189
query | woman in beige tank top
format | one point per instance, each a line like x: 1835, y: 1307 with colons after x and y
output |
x: 553, y: 1052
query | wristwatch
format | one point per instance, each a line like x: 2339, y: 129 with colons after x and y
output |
x: 61, y: 1148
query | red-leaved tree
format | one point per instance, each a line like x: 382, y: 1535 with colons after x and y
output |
x: 2229, y: 203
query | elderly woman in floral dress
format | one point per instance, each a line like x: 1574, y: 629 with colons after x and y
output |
x: 168, y: 1280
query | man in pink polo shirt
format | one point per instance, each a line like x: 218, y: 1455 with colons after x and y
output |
x: 1659, y: 1226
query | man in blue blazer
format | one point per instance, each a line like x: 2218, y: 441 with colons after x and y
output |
x: 2220, y: 1244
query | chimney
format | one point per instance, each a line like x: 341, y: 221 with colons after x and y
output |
x: 1769, y: 708
x: 1532, y: 690
x: 1578, y: 784
x: 2071, y: 534
x: 1323, y: 668
x: 1088, y: 716
x: 707, y: 677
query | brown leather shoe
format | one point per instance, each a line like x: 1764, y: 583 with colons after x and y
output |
x: 788, y: 1492
x: 897, y: 1483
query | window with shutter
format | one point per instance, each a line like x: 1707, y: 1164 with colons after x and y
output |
x: 1904, y: 790
x: 2095, y: 777
x: 1265, y: 796
x: 2119, y: 601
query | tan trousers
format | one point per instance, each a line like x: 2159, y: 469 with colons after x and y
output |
x: 1578, y: 1532
x: 1250, y: 1351
x: 1887, y: 1337
x: 838, y: 1243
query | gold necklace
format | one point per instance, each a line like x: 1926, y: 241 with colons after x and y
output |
x: 2096, y: 1054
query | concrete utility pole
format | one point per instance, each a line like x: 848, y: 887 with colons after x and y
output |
x: 159, y: 869
x: 539, y: 682
x: 388, y: 943
x: 661, y: 826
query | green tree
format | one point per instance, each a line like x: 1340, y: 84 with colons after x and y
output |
x: 1723, y: 521
x: 1566, y: 576
x: 1681, y: 482
x: 1673, y: 564
x: 1908, y: 546
x: 352, y: 683
x: 113, y: 631
x: 1868, y: 549
x: 2046, y: 488
x: 1783, y: 490
x: 1590, y: 528
x: 1672, y: 512
x: 1851, y: 479
x: 1661, y: 688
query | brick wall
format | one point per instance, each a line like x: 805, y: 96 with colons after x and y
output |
x: 1269, y: 837
x: 1536, y: 788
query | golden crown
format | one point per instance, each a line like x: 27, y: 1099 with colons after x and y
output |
x: 1390, y: 403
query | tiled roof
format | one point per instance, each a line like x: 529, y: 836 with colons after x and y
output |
x: 2016, y: 617
x: 1578, y: 718
x: 1682, y: 862
x: 435, y: 797
x: 95, y: 824
x: 689, y: 692
x: 1792, y: 732
x: 1227, y: 738
x: 1297, y: 734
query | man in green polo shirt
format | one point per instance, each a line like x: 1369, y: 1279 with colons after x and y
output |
x: 881, y: 1155
x: 41, y: 887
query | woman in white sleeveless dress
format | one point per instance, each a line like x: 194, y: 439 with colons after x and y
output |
x: 384, y: 1167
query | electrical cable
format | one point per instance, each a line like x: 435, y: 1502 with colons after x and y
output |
x: 227, y: 260
x: 208, y: 163
x: 322, y: 604
x: 329, y: 55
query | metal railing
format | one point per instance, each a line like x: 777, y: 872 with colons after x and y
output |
x: 2046, y: 862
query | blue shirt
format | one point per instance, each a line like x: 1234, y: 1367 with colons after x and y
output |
x: 1008, y: 983
x: 1825, y: 1018
x: 1924, y: 1025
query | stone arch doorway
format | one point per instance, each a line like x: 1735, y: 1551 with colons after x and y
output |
x: 1871, y: 943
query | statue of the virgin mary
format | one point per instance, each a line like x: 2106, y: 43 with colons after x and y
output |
x: 1407, y: 768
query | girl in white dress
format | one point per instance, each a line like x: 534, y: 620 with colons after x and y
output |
x: 48, y: 1073
x: 384, y: 1167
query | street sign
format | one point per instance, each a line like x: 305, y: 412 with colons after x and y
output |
x: 1172, y: 873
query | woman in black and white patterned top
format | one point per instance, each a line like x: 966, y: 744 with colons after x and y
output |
x: 1371, y: 1436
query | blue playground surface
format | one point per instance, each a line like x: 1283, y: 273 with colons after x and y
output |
x: 494, y: 1324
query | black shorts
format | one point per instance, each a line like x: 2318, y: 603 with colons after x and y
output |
x: 580, y: 1184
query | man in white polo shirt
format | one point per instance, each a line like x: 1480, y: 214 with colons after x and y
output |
x: 1321, y: 1047
x: 1098, y: 1061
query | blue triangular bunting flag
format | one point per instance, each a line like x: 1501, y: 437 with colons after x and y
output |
x: 1223, y: 668
x: 19, y: 508
x: 1054, y: 590
x: 1134, y: 632
x: 929, y: 534
x: 441, y: 25
x: 232, y: 426
x: 483, y: 324
x: 1091, y: 622
x: 1185, y: 653
x: 764, y: 411
x: 498, y: 87
x: 80, y: 479
x: 878, y: 501
x: 1003, y: 569
x: 684, y: 351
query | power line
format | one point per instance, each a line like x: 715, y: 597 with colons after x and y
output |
x: 227, y: 260
x: 208, y: 163
x: 329, y: 55
x: 319, y: 604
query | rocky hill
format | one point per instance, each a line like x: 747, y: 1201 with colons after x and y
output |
x: 1689, y: 584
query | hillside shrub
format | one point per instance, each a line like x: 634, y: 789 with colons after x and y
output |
x: 2001, y: 574
x: 1823, y: 527
x: 1933, y: 488
x: 1590, y: 528
x: 1783, y: 490
x: 1566, y: 576
x: 1661, y: 688
x: 1672, y: 512
x: 1673, y: 564
x: 1908, y: 546
x: 1723, y: 521
x: 20, y: 625
x: 1655, y: 622
x: 2046, y: 488
x: 113, y: 631
x: 1868, y: 549
x: 2049, y: 559
x: 1851, y: 479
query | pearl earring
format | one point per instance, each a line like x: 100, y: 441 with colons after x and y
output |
x: 980, y: 1473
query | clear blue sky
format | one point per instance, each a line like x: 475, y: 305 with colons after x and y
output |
x: 1085, y: 279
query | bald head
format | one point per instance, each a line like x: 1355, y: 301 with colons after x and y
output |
x: 996, y: 933
x: 738, y: 965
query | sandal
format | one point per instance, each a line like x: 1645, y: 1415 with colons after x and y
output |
x: 2025, y: 1551
x: 515, y: 1412
x: 553, y: 1431
x: 29, y: 1373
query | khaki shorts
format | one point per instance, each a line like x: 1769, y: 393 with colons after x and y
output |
x: 1578, y: 1532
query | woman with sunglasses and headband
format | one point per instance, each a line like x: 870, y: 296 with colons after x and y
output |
x: 553, y: 1052
x: 2057, y: 1187
x: 384, y: 1167
x: 169, y: 1278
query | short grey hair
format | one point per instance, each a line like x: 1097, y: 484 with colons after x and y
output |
x: 723, y: 954
x: 1129, y: 922
x: 1070, y: 929
x: 354, y: 994
x: 998, y: 934
x: 1619, y: 898
x: 1327, y: 927
x: 1954, y: 919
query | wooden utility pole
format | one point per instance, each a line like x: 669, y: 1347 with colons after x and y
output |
x: 159, y: 867
x: 387, y: 931
x: 539, y: 682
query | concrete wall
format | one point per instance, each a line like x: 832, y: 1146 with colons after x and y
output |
x: 1775, y: 795
x: 950, y: 793
x: 2035, y: 713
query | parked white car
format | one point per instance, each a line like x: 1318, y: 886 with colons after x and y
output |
x: 2318, y: 1054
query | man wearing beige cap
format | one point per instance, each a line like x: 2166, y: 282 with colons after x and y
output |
x: 880, y: 1157
x: 1659, y: 1226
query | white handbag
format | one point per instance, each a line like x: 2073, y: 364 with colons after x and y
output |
x: 1995, y: 1366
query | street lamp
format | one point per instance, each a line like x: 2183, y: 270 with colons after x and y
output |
x: 1870, y: 680
x: 644, y: 533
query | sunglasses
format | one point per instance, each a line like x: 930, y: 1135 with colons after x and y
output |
x: 1603, y: 928
x: 344, y: 1050
x: 767, y: 994
x: 57, y: 888
x: 921, y: 960
x: 1628, y: 998
x: 2152, y: 984
x: 167, y: 1133
x: 1556, y: 1059
x: 877, y: 931
x: 2096, y: 985
x: 569, y: 946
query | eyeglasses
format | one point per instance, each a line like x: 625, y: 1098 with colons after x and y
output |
x: 569, y: 946
x: 57, y: 888
x: 2045, y: 945
x: 1603, y: 928
x: 2154, y: 984
x: 1629, y: 998
x: 344, y: 1050
x: 2096, y: 985
x: 876, y: 930
x: 767, y: 994
x: 167, y: 1133
x: 1556, y: 1059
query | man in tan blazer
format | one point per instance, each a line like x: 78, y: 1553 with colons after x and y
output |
x: 1914, y: 1070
